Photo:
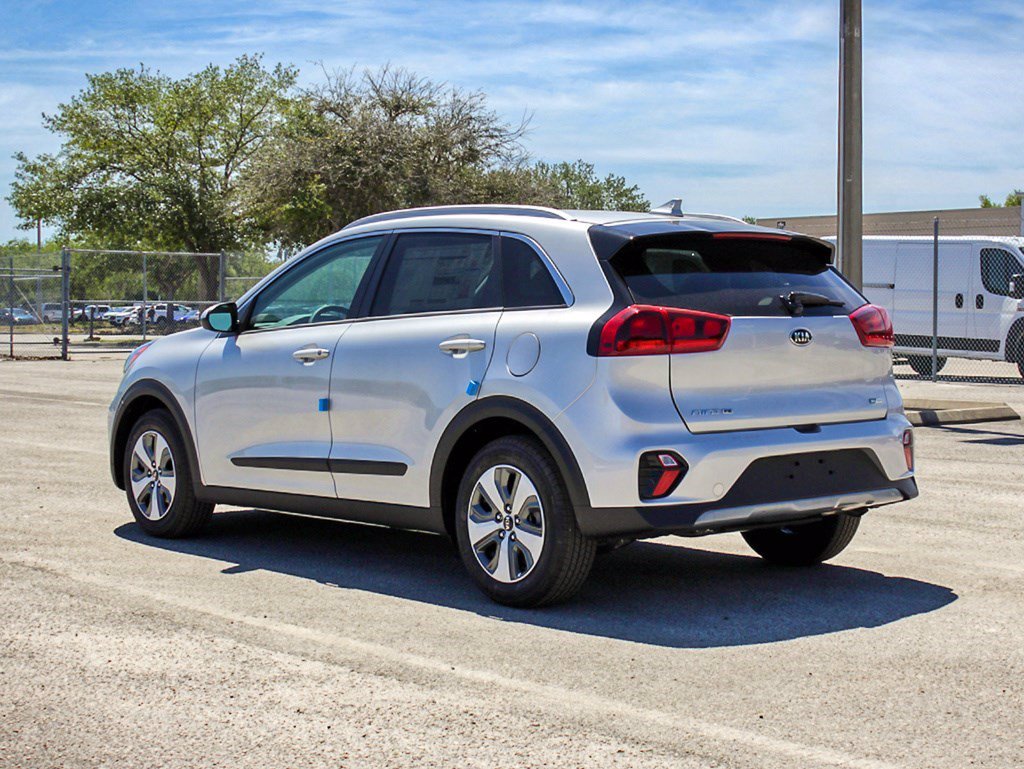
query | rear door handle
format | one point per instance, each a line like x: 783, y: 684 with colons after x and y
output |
x: 459, y: 347
x: 959, y: 301
x: 309, y: 355
x: 979, y: 301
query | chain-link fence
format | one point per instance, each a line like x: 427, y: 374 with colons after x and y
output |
x: 91, y: 300
x: 32, y: 315
x: 955, y: 289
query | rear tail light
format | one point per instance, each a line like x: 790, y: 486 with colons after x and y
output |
x: 908, y: 448
x: 646, y: 330
x: 660, y: 473
x: 873, y: 326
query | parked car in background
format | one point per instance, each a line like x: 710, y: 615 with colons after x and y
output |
x: 119, y: 316
x: 535, y: 383
x: 20, y: 316
x: 51, y: 312
x: 980, y: 301
x: 95, y: 312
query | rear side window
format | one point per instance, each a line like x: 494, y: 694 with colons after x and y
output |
x: 526, y: 279
x: 732, y: 275
x: 997, y: 268
x: 439, y: 272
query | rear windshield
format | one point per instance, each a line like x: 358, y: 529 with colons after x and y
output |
x: 738, y: 276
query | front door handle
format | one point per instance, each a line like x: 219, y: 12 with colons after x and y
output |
x: 959, y: 301
x: 979, y: 301
x: 459, y: 347
x: 309, y: 355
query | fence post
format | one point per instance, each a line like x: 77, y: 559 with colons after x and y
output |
x: 222, y: 271
x: 935, y: 299
x: 145, y: 295
x: 65, y: 299
x: 10, y: 308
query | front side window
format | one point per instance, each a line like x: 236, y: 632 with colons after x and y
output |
x: 998, y: 266
x: 439, y: 272
x: 320, y: 290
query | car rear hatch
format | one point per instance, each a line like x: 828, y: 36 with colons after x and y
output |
x: 767, y: 337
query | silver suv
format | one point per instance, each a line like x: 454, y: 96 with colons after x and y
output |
x: 539, y: 385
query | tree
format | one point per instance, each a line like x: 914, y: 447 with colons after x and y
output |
x: 147, y: 161
x: 1012, y: 199
x: 356, y: 145
x: 578, y: 186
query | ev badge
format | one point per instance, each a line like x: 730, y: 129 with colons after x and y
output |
x: 801, y: 337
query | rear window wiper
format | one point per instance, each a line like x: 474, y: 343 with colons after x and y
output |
x: 796, y: 301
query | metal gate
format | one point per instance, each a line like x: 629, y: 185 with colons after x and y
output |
x: 34, y: 316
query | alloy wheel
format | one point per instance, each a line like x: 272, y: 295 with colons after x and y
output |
x: 505, y: 522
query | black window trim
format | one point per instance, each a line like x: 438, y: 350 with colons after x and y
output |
x: 496, y: 235
x: 359, y: 301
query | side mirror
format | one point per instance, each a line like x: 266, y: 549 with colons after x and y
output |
x: 222, y: 318
x: 1017, y: 286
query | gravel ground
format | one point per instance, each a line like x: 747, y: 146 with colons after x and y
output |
x: 278, y: 641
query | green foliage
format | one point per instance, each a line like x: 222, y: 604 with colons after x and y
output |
x: 233, y: 158
x: 1012, y: 199
x: 354, y: 146
x: 149, y: 162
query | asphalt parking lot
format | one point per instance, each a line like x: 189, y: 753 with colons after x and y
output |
x: 278, y: 641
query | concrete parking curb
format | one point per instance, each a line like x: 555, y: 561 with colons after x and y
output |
x: 926, y: 412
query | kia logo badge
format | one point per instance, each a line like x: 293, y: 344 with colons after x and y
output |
x: 801, y: 337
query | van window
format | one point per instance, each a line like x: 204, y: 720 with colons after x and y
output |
x: 525, y: 277
x: 741, y: 277
x: 438, y: 272
x: 997, y: 267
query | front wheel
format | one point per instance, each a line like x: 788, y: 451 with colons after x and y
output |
x: 158, y: 481
x: 516, y: 528
x: 804, y: 544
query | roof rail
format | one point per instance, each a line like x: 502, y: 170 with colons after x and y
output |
x: 674, y: 207
x: 539, y: 211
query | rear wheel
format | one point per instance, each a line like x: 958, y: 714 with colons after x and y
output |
x: 805, y: 544
x: 516, y: 528
x: 922, y: 364
x: 158, y: 481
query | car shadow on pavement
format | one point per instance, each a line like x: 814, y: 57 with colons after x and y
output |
x: 648, y: 592
x: 998, y: 439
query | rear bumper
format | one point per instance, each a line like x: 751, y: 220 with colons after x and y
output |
x: 699, y: 519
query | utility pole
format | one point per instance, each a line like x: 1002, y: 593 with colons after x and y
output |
x: 851, y: 190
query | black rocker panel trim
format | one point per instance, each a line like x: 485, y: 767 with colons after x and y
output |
x: 360, y: 511
x: 318, y: 465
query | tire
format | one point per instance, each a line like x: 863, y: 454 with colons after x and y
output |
x: 524, y: 519
x: 922, y: 364
x: 173, y: 511
x: 806, y: 544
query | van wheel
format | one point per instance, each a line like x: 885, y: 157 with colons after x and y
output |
x: 516, y: 528
x: 922, y: 364
x: 805, y: 544
x: 157, y: 479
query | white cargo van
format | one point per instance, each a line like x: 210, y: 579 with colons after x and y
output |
x: 981, y: 288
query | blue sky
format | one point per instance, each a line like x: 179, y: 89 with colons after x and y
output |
x: 729, y: 104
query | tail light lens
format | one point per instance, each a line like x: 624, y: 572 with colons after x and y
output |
x: 646, y: 330
x: 908, y: 448
x: 873, y: 326
x: 660, y: 473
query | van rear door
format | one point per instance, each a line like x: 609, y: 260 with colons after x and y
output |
x: 792, y: 355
